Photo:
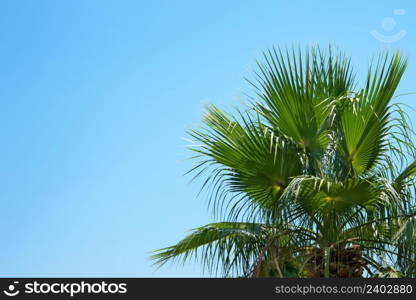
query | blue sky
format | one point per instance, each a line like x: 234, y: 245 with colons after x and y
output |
x: 96, y: 97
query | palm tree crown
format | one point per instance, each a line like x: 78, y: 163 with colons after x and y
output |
x: 314, y: 179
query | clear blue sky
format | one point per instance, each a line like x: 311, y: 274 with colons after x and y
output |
x: 96, y: 97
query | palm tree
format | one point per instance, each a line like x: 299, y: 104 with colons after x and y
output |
x: 313, y: 179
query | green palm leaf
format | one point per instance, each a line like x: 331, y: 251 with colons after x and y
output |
x: 364, y: 122
x: 248, y: 158
x: 233, y: 244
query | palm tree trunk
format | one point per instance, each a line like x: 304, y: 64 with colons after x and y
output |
x: 327, y: 261
x: 341, y: 263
